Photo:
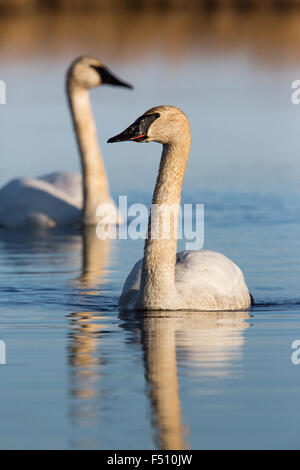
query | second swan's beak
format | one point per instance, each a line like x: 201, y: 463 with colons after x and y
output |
x: 107, y: 78
x: 132, y: 132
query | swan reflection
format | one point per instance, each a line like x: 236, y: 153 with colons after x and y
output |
x: 85, y: 333
x: 84, y: 365
x: 205, y: 343
x: 95, y: 259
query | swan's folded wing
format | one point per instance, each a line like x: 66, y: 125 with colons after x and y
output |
x: 131, y: 287
x: 211, y: 280
x: 206, y: 280
x: 35, y: 201
x: 69, y: 183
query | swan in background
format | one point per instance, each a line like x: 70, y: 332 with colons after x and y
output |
x: 67, y: 198
x: 162, y: 280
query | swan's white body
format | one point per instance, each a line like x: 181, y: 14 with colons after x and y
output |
x: 46, y: 201
x: 162, y: 280
x: 67, y: 198
x: 205, y: 280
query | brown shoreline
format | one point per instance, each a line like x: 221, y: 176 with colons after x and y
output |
x: 39, y: 6
x: 267, y: 37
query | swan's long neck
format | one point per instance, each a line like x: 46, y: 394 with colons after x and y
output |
x: 95, y: 183
x: 158, y: 273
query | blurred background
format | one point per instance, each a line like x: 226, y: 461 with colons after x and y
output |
x: 229, y: 64
x: 92, y: 5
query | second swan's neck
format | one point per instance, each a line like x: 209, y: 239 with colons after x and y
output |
x: 95, y: 183
x: 158, y: 288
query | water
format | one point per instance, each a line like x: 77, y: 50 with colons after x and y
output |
x: 79, y: 374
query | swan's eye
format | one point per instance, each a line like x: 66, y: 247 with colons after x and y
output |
x: 152, y: 116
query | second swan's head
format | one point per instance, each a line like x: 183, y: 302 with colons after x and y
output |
x: 88, y: 72
x: 164, y: 124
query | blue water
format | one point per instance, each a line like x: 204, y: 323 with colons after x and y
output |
x: 79, y: 375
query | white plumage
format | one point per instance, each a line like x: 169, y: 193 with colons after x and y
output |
x: 205, y: 280
x: 46, y: 201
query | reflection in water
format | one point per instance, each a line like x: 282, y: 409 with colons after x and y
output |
x: 86, y: 327
x: 95, y: 259
x: 45, y: 257
x: 82, y: 349
x: 56, y: 250
x: 210, y: 342
x: 158, y: 337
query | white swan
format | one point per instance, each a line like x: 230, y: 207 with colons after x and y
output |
x: 190, y: 280
x: 66, y: 198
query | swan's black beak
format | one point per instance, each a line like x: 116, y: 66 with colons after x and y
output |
x: 132, y: 132
x: 137, y: 131
x: 107, y: 78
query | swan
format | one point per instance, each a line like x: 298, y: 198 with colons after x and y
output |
x: 67, y: 198
x: 191, y: 280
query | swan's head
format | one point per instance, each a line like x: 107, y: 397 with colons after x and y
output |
x: 88, y: 72
x: 164, y: 124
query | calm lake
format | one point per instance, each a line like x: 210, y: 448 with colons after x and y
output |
x: 81, y: 376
